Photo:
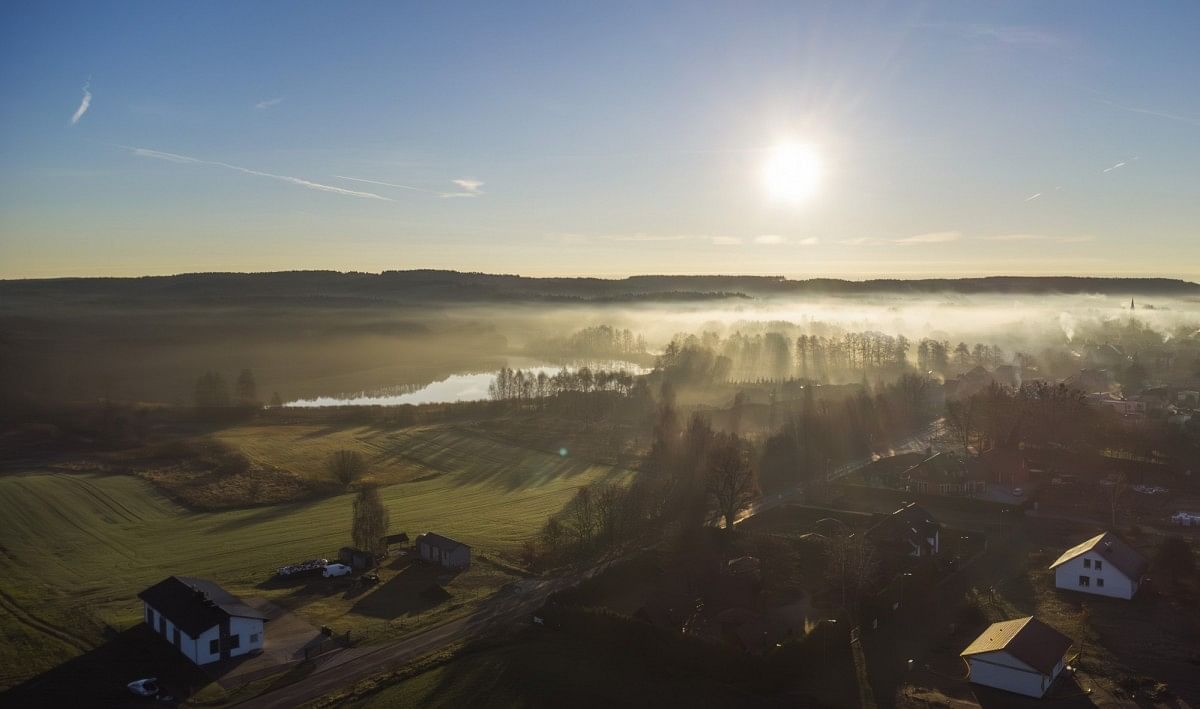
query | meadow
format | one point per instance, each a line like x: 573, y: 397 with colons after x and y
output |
x: 76, y: 548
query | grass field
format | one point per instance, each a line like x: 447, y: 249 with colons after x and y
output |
x: 76, y: 548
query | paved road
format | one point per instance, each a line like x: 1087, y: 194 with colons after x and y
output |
x: 917, y: 442
x: 343, y: 668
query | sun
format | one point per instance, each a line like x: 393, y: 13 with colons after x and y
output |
x: 792, y: 173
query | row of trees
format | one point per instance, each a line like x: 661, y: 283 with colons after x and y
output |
x: 526, y: 385
x: 937, y: 356
x: 598, y: 342
x: 213, y: 392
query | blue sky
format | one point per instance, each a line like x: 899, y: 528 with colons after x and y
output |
x: 599, y: 138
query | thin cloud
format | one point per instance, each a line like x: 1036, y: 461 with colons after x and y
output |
x: 84, y: 104
x: 934, y: 237
x: 726, y: 240
x: 1191, y: 120
x: 468, y: 187
x: 769, y: 239
x: 1032, y: 197
x: 1013, y: 35
x: 176, y: 158
x: 1114, y: 167
x: 809, y: 241
x: 387, y: 184
x: 1037, y: 237
x: 269, y: 103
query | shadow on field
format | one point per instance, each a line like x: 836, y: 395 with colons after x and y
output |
x: 98, y: 678
x: 417, y: 588
x: 262, y: 515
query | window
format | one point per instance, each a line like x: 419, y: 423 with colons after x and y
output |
x: 1085, y: 581
x: 150, y: 616
x: 1099, y: 564
x: 214, y: 647
x: 1087, y: 563
x: 253, y: 637
x: 235, y: 641
x: 1099, y: 583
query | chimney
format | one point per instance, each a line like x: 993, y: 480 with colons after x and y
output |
x: 1108, y: 546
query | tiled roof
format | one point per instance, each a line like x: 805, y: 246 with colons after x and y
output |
x: 1028, y: 639
x: 1112, y: 549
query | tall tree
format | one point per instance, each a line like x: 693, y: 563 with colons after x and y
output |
x: 370, y: 520
x: 246, y: 389
x: 211, y: 391
x: 731, y: 484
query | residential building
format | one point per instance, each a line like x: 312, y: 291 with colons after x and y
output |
x: 202, y: 620
x: 1023, y: 655
x: 909, y: 531
x: 1102, y: 566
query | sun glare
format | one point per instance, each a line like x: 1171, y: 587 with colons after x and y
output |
x: 792, y: 173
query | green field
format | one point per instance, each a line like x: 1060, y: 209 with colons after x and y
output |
x: 76, y: 548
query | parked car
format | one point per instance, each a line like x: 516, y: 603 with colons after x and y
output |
x: 333, y: 570
x: 147, y: 687
x: 369, y: 579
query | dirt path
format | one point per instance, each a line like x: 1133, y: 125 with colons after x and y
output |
x: 28, y: 619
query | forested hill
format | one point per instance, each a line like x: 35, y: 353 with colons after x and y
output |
x: 426, y: 286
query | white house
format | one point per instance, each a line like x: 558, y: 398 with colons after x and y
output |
x: 1103, y: 565
x: 1023, y: 656
x: 204, y: 621
x: 444, y: 551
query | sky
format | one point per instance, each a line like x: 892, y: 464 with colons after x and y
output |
x: 601, y: 139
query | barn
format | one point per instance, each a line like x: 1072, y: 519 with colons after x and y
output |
x: 443, y: 551
x: 202, y: 620
x: 1023, y: 655
x: 1103, y: 566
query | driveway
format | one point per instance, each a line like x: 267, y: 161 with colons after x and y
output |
x: 287, y: 636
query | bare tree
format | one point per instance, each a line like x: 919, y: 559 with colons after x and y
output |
x: 1114, y: 497
x: 346, y: 466
x: 962, y: 420
x: 731, y: 483
x: 370, y: 521
x: 852, y: 566
x: 246, y: 389
x: 581, y: 517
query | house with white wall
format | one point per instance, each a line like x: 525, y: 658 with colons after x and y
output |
x: 202, y: 620
x: 1023, y: 655
x: 1102, y: 566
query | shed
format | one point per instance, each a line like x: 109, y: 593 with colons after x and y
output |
x: 1023, y: 655
x: 202, y: 620
x: 443, y: 551
x: 356, y: 558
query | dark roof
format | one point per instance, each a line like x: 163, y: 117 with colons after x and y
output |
x: 1112, y: 549
x: 941, y: 467
x: 195, y: 605
x: 397, y: 538
x: 1028, y: 639
x: 911, y: 522
x: 444, y: 543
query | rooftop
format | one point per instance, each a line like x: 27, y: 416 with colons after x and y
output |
x: 1028, y: 639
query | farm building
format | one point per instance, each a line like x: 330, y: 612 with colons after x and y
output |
x: 204, y: 621
x: 1103, y: 565
x: 1023, y: 656
x: 356, y: 559
x: 444, y: 551
x: 909, y: 531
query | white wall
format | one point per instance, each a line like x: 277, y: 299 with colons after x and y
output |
x: 1003, y: 671
x: 245, y: 627
x: 1116, y: 584
x: 187, y: 644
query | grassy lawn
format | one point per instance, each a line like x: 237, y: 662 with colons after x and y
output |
x: 76, y: 548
